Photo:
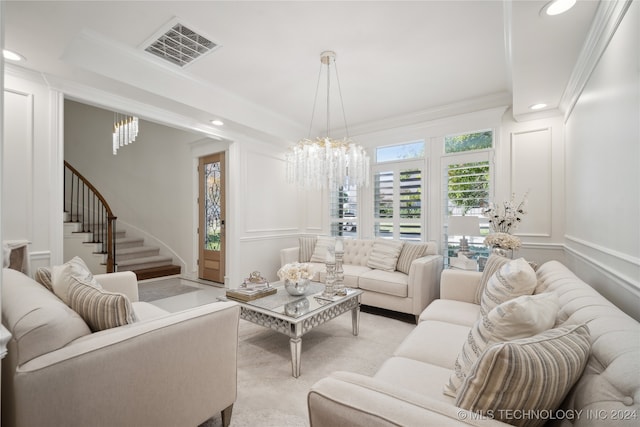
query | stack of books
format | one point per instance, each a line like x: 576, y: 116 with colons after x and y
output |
x: 249, y: 294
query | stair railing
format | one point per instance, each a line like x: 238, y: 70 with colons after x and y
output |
x: 87, y: 206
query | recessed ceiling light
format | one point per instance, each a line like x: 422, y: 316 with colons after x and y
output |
x: 12, y: 56
x: 217, y: 122
x: 537, y: 106
x: 556, y: 7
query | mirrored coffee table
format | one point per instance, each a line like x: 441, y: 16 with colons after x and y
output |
x: 294, y: 316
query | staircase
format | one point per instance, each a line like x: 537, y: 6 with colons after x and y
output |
x: 131, y: 252
x: 90, y: 232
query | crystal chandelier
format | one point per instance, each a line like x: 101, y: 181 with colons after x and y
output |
x: 326, y: 162
x: 125, y: 130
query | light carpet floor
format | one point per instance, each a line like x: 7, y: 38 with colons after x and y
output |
x: 160, y: 289
x: 268, y: 396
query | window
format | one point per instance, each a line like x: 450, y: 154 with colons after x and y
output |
x: 468, y: 141
x: 397, y: 191
x: 467, y: 176
x: 398, y: 201
x: 344, y: 211
x: 410, y: 150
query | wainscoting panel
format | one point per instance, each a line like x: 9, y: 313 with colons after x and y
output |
x: 17, y: 167
x: 613, y: 274
x: 531, y: 170
x: 272, y: 205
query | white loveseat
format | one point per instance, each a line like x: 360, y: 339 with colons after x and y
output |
x: 408, y: 389
x: 165, y: 369
x: 406, y: 284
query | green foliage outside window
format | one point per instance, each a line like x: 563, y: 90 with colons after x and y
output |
x: 468, y: 142
x: 468, y: 183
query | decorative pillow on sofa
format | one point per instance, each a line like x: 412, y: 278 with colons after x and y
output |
x: 493, y: 264
x: 522, y: 317
x: 61, y: 276
x: 514, y: 279
x: 99, y: 309
x: 410, y: 252
x: 323, y: 243
x: 43, y: 276
x: 384, y: 254
x: 306, y: 245
x: 526, y: 375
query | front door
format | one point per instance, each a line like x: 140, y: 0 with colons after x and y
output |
x: 212, y: 214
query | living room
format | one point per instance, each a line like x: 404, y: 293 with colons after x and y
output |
x: 583, y: 188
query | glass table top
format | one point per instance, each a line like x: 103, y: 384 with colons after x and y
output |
x: 295, y: 306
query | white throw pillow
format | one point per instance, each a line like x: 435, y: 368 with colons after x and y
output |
x: 61, y: 277
x: 323, y: 243
x: 514, y: 279
x: 522, y: 317
x: 384, y: 254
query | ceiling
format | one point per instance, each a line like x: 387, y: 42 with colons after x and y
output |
x: 397, y: 61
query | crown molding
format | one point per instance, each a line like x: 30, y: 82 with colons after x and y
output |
x: 472, y: 105
x: 605, y: 23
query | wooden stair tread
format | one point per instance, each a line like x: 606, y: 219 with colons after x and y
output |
x: 152, y: 273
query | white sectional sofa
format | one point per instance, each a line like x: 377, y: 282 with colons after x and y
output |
x: 164, y: 369
x: 394, y: 275
x: 408, y: 390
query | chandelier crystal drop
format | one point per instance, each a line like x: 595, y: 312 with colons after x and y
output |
x: 325, y: 162
x: 125, y: 130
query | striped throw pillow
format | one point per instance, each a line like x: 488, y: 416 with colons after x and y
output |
x: 99, y: 309
x: 384, y: 254
x: 306, y: 245
x: 514, y: 279
x: 521, y: 317
x: 409, y: 253
x: 526, y: 375
x: 493, y: 264
x: 321, y: 249
x: 43, y: 276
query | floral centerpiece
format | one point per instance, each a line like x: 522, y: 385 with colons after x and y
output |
x: 296, y: 277
x: 503, y: 220
x: 503, y: 241
x: 295, y: 271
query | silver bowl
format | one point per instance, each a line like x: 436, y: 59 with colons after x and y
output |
x: 296, y: 288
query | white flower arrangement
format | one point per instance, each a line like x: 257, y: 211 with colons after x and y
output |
x: 503, y: 240
x: 505, y: 218
x: 295, y: 271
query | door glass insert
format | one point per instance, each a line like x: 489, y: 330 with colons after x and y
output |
x: 213, y: 219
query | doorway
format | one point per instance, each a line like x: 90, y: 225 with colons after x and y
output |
x: 211, y: 207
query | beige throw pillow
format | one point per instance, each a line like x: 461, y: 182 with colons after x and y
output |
x: 521, y: 317
x: 384, y: 254
x: 410, y: 252
x: 514, y: 279
x: 493, y: 264
x: 527, y: 375
x: 61, y: 276
x: 323, y: 243
x: 98, y: 308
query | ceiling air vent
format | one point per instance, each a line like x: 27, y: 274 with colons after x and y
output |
x: 180, y: 45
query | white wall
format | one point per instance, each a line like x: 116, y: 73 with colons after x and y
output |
x: 30, y: 187
x: 603, y: 173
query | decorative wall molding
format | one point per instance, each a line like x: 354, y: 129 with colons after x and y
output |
x: 607, y: 18
x: 625, y: 268
x: 531, y: 167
